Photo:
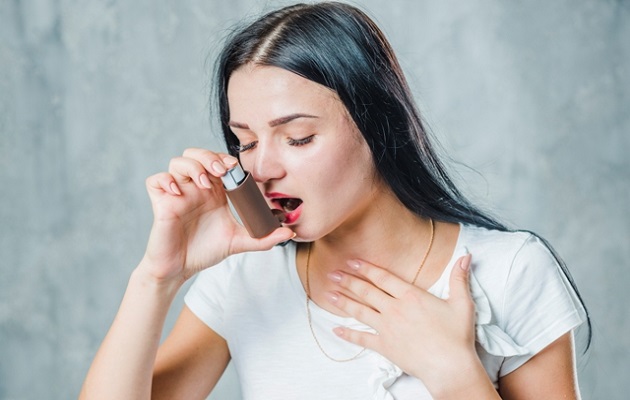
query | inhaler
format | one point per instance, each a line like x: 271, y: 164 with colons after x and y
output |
x: 249, y: 203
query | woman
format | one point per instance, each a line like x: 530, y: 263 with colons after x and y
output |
x: 393, y: 286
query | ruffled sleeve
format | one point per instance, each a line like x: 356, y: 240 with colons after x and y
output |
x: 538, y: 304
x: 523, y: 302
x: 491, y: 338
x: 488, y: 334
x: 494, y: 340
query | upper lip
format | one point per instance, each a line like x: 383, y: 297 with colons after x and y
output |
x: 275, y: 196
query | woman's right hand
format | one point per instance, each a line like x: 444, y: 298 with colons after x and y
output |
x: 193, y: 226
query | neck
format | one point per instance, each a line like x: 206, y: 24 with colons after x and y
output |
x: 387, y: 235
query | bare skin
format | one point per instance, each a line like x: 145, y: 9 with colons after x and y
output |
x: 296, y: 137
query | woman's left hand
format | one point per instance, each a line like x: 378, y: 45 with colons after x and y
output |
x: 427, y: 337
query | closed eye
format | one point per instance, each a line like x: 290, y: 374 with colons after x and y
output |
x: 301, y: 142
x: 241, y: 148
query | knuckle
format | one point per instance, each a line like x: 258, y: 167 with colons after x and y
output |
x: 361, y: 313
x: 173, y: 163
x: 413, y: 295
x: 469, y: 307
x: 156, y: 178
x: 203, y: 157
x: 185, y: 167
x: 364, y: 292
x: 149, y: 181
x: 381, y: 278
x: 362, y: 339
x: 190, y: 152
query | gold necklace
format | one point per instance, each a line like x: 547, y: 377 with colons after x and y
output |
x: 308, y: 297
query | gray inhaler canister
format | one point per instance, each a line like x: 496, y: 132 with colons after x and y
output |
x: 249, y: 203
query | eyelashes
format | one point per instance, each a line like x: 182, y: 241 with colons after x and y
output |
x: 239, y: 149
x: 301, y: 142
x: 291, y: 142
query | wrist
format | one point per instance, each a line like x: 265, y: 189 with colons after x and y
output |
x: 147, y: 275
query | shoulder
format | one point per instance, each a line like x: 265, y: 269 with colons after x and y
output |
x: 497, y: 243
x: 519, y: 273
x: 495, y: 251
x: 512, y: 265
x: 522, y: 294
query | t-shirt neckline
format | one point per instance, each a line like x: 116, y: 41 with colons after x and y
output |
x: 436, y: 288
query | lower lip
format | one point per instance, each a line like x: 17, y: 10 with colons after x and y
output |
x: 293, y: 216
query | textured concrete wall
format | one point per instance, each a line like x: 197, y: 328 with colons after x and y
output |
x: 97, y: 95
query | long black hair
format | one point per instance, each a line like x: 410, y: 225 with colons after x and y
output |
x: 341, y: 48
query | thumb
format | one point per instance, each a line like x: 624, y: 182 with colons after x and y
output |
x: 460, y: 280
x: 279, y: 235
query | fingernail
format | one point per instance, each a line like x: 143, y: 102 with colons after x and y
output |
x: 465, y: 264
x: 338, y: 331
x: 205, y: 182
x: 334, y: 276
x: 175, y: 189
x: 231, y: 161
x: 354, y: 264
x: 218, y: 167
x: 332, y: 297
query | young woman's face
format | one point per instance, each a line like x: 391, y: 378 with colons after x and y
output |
x: 303, y: 149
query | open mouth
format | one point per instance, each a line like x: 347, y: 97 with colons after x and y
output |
x: 289, y: 207
x: 288, y: 204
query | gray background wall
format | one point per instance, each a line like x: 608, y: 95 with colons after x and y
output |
x: 97, y: 95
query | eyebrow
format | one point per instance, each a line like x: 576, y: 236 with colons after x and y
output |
x: 273, y: 123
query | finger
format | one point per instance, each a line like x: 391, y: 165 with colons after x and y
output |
x: 365, y: 291
x: 358, y: 311
x: 215, y: 163
x: 460, y: 281
x: 363, y: 339
x: 163, y: 182
x: 244, y: 242
x: 186, y: 169
x: 381, y: 278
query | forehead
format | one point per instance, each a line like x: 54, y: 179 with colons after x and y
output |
x: 270, y: 92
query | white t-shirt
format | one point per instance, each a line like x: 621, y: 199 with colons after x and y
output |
x: 256, y: 301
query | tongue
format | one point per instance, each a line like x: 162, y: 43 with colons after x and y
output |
x: 291, y: 204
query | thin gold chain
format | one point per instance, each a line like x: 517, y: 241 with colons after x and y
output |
x: 310, y: 320
x: 426, y: 253
x: 308, y: 298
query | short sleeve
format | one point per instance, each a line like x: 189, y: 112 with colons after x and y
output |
x: 206, y: 297
x: 539, y: 304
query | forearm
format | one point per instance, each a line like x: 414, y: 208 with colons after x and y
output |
x: 123, y: 366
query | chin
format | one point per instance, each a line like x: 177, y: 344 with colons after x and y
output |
x: 307, y: 235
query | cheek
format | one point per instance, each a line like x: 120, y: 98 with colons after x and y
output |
x: 346, y: 173
x: 247, y: 162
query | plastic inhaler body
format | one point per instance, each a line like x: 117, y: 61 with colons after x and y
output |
x: 249, y: 203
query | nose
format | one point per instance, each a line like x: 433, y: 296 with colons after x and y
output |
x: 265, y: 163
